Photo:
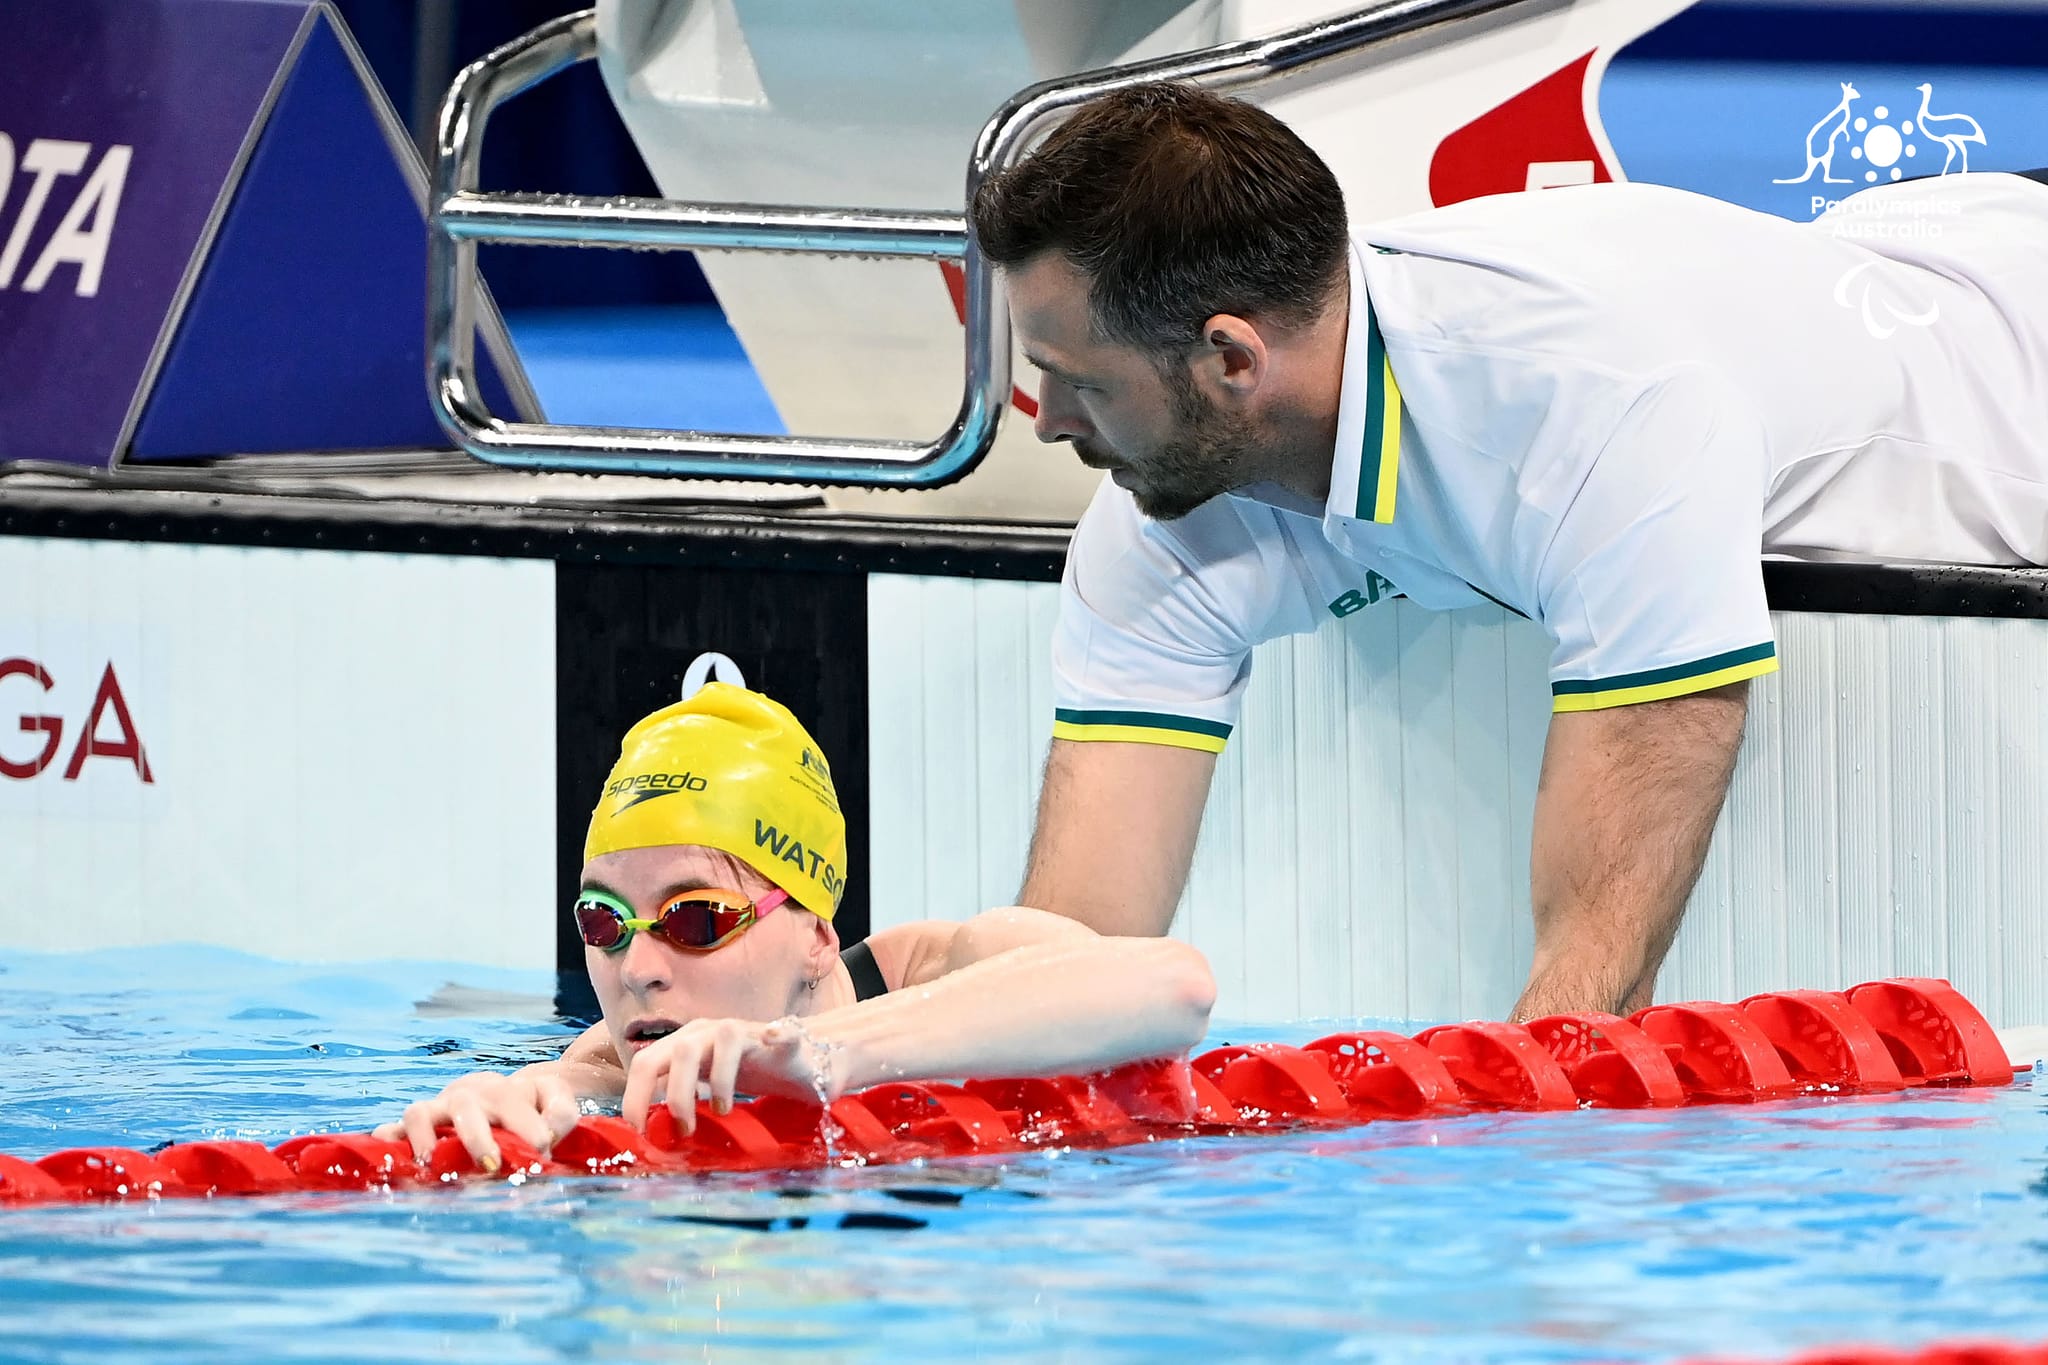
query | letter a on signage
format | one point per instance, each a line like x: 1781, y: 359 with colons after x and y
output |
x: 73, y: 241
x: 90, y: 745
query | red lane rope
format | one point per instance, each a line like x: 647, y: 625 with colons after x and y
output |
x: 1881, y: 1036
x: 1952, y: 1353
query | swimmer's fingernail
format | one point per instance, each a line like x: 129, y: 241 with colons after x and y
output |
x: 490, y: 1161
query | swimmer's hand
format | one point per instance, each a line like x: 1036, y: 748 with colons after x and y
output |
x: 729, y: 1056
x: 535, y: 1103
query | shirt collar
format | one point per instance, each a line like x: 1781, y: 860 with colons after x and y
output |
x: 1365, y: 472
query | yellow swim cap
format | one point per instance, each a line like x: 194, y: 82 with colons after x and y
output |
x: 731, y: 770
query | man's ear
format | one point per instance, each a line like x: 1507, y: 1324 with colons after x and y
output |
x: 1232, y: 361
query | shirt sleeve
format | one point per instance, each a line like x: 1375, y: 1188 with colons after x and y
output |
x: 1156, y: 624
x: 1660, y: 591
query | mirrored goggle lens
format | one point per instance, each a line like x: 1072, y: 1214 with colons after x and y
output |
x: 600, y: 925
x: 700, y: 922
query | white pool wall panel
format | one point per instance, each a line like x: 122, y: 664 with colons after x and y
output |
x: 353, y: 754
x: 1366, y: 848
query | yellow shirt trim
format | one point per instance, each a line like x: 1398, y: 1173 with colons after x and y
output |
x: 1137, y: 734
x: 1390, y: 449
x: 1677, y: 687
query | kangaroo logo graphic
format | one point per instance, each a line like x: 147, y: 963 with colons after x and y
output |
x: 1820, y: 142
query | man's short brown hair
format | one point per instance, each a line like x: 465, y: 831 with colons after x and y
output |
x: 1178, y: 204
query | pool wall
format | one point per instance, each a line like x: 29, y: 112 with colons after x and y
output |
x: 1366, y: 848
x: 317, y: 756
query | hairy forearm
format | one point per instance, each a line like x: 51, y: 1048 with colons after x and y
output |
x: 1048, y: 1009
x: 1624, y: 811
x: 1116, y: 833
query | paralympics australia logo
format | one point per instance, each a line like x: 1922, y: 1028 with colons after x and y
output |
x: 1866, y: 144
x: 1884, y: 143
x: 815, y: 776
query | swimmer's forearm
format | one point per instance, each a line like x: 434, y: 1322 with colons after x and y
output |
x: 1048, y: 1009
x: 590, y: 1065
x: 593, y: 1045
x: 587, y: 1080
x: 1624, y: 810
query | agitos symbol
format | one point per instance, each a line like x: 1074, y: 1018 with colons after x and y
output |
x: 107, y: 700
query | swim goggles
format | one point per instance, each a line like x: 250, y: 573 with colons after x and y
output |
x: 694, y: 921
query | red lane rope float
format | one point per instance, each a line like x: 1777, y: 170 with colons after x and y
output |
x: 1882, y: 1036
x: 1953, y: 1353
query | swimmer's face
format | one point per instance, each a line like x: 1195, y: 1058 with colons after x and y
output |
x: 760, y: 975
x: 1174, y: 439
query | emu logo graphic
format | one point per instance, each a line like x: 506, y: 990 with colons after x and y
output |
x: 1952, y: 131
x: 1883, y: 144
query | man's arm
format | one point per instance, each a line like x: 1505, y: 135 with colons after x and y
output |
x: 1624, y: 808
x: 1116, y: 832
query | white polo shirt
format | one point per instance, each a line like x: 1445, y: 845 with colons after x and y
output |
x: 1600, y: 407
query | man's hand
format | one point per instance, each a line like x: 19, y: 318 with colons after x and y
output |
x: 1116, y: 833
x: 535, y: 1103
x: 1624, y: 810
x: 731, y: 1056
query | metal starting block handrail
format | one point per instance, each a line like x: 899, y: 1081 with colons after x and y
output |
x: 460, y: 217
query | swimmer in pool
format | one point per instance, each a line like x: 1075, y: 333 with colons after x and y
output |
x: 715, y: 861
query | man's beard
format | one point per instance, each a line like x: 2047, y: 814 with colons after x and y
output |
x: 1212, y: 453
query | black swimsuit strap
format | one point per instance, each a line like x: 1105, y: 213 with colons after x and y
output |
x: 867, y: 977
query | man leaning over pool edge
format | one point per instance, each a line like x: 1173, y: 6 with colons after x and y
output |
x: 1596, y: 407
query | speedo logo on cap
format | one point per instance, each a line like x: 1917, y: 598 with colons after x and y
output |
x: 647, y: 786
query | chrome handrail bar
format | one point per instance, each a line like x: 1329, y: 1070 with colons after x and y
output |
x: 459, y: 217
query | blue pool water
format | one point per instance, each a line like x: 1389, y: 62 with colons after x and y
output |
x: 1622, y: 1237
